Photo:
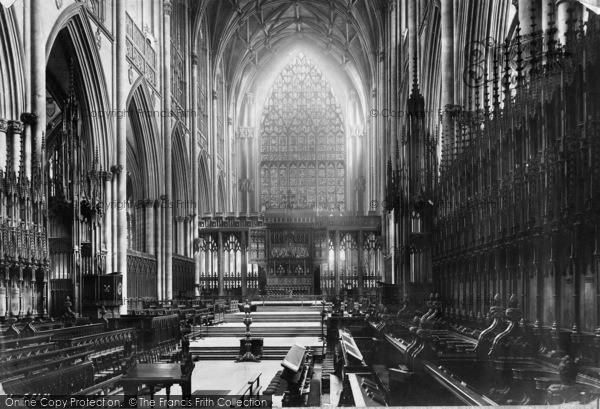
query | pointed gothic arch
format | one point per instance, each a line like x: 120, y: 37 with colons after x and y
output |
x: 221, y: 198
x: 204, y: 188
x: 12, y: 81
x: 75, y: 25
x: 182, y: 203
x: 143, y: 149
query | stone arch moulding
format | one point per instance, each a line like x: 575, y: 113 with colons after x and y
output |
x: 12, y: 79
x: 181, y: 162
x: 76, y: 21
x: 221, y: 205
x: 146, y: 135
x: 204, y: 191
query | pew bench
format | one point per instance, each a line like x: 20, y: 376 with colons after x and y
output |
x: 16, y: 343
x: 14, y: 330
x: 34, y: 362
x: 31, y: 350
x: 150, y: 330
x: 100, y: 342
x: 39, y: 337
x: 108, y: 365
x: 105, y: 388
x: 62, y: 381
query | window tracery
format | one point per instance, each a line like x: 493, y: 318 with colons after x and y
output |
x: 303, y: 143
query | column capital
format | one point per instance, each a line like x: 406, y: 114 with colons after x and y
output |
x: 215, y: 94
x: 29, y: 118
x: 107, y: 176
x: 15, y: 127
x: 168, y: 7
x: 3, y: 125
x: 116, y: 169
x: 194, y: 59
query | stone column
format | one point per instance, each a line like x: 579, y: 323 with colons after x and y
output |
x: 150, y: 214
x: 203, y: 271
x: 15, y: 129
x: 195, y: 173
x: 220, y: 264
x: 562, y: 15
x: 3, y: 292
x: 524, y: 13
x: 215, y: 169
x: 26, y: 146
x: 159, y: 212
x: 547, y: 10
x: 8, y: 287
x: 46, y: 290
x: 336, y: 254
x: 179, y: 222
x: 361, y: 270
x: 3, y: 144
x: 38, y: 76
x: 121, y: 181
x: 20, y: 285
x: 447, y: 27
x: 108, y: 231
x: 168, y: 234
x: 412, y: 38
x: 113, y: 210
x: 247, y: 143
x: 3, y: 153
x: 244, y: 251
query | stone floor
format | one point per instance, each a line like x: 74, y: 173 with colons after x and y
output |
x: 271, y: 324
x: 227, y: 377
x: 267, y: 342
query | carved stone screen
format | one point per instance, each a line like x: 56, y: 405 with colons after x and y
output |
x: 303, y: 147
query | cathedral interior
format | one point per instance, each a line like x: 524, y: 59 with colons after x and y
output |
x: 297, y: 203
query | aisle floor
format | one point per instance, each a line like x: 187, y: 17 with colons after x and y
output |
x: 267, y: 342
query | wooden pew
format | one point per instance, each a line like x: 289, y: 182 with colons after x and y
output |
x: 458, y: 388
x: 33, y: 362
x: 150, y: 330
x: 31, y: 350
x: 99, y: 342
x: 63, y: 382
x: 103, y: 388
x: 44, y: 336
x: 52, y: 361
x: 13, y: 331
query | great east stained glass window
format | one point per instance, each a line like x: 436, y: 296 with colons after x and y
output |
x: 303, y: 145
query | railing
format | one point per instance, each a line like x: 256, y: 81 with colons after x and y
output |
x: 460, y: 389
x: 250, y: 392
x: 302, y: 298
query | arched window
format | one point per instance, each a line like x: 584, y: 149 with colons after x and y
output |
x: 302, y: 141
